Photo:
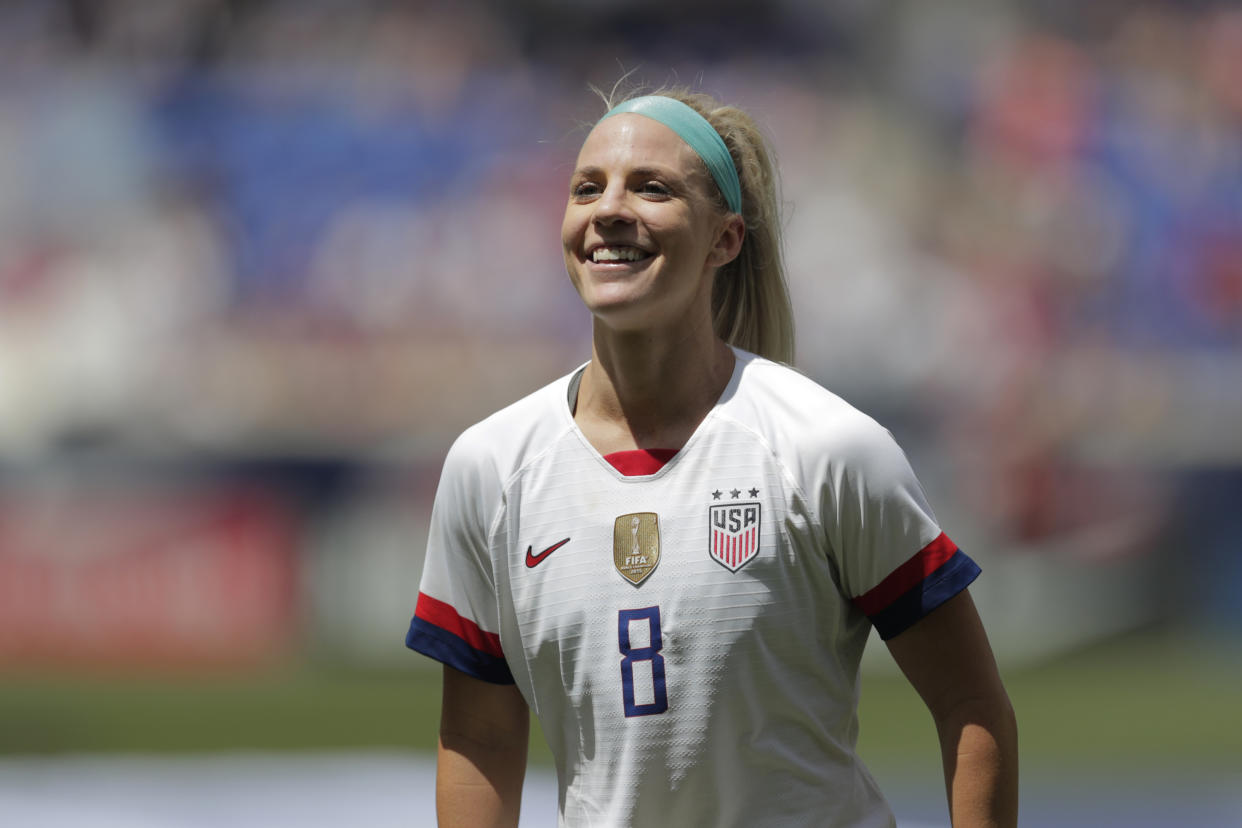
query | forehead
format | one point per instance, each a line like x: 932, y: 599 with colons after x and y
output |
x: 634, y: 140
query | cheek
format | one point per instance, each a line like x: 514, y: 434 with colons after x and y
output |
x: 570, y: 241
x: 572, y: 229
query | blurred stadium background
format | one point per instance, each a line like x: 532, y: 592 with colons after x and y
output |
x: 261, y: 261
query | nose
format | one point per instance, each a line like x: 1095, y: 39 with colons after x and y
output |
x: 613, y: 205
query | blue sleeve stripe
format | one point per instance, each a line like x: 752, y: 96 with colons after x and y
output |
x: 443, y: 646
x: 953, y: 576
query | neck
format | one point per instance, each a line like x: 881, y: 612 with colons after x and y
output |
x: 650, y: 389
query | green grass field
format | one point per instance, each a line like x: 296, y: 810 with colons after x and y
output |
x: 1148, y: 701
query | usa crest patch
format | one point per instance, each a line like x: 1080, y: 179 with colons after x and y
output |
x: 734, y: 539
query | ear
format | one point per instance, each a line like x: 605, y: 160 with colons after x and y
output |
x: 728, y: 241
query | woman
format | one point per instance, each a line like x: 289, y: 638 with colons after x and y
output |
x: 674, y: 555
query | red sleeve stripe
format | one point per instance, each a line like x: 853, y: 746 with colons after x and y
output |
x: 446, y: 618
x: 907, y: 576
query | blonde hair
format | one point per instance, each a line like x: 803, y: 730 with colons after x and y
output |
x: 750, y: 297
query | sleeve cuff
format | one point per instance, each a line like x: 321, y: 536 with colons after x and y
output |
x: 953, y: 576
x: 434, y: 642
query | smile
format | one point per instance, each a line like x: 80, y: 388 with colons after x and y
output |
x: 618, y: 254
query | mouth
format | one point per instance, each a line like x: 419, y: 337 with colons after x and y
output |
x: 613, y: 254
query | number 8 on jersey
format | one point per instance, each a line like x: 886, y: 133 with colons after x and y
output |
x: 649, y: 654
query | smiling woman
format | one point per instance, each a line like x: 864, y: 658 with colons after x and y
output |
x: 717, y: 155
x: 642, y: 240
x: 726, y: 534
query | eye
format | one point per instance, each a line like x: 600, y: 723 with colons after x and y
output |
x: 655, y: 188
x: 584, y: 190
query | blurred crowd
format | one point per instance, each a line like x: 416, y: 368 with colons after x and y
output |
x: 331, y: 229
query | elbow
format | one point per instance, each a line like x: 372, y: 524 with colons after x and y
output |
x: 992, y: 713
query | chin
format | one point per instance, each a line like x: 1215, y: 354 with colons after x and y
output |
x: 621, y: 316
x: 610, y: 297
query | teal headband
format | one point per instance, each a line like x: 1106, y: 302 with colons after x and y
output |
x: 694, y: 129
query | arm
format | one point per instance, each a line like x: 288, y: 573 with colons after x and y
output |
x: 947, y: 659
x: 481, y: 762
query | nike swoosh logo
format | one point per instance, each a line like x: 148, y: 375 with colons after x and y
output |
x: 535, y: 560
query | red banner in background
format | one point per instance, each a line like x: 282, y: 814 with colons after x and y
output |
x: 201, y: 579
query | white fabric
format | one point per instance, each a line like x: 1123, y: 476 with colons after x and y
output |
x: 760, y: 664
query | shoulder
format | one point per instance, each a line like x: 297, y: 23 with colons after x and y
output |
x: 502, y: 443
x: 798, y: 415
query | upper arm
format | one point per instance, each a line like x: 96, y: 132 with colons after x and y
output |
x: 481, y: 762
x: 481, y: 713
x: 947, y: 658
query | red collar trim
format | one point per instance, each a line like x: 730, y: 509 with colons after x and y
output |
x: 638, y: 462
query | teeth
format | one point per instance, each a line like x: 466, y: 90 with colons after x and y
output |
x: 617, y: 254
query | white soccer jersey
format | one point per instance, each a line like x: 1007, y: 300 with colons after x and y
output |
x: 689, y: 638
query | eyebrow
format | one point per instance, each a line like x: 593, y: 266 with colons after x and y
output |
x: 664, y: 172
